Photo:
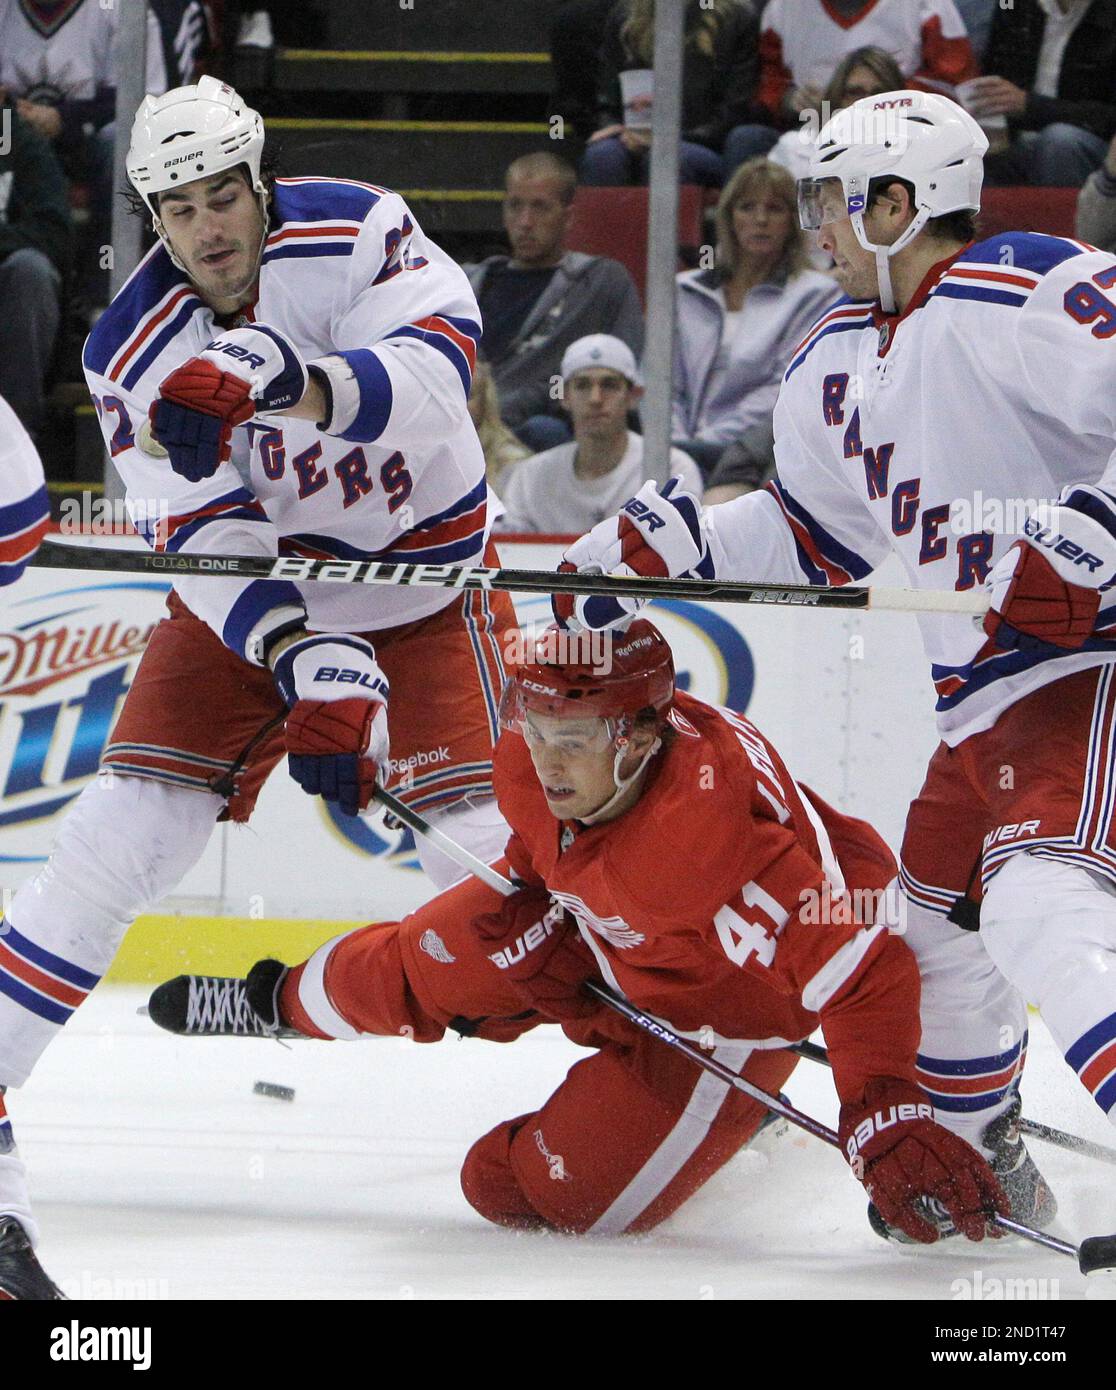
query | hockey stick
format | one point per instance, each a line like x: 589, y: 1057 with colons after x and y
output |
x: 52, y: 555
x: 1032, y: 1128
x: 1095, y: 1254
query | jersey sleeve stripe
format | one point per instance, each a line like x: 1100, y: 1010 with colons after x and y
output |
x: 831, y: 325
x: 147, y: 326
x: 840, y: 968
x: 947, y: 289
x: 821, y: 555
x: 18, y: 518
x: 305, y: 250
x: 455, y: 339
x: 255, y: 602
x: 314, y: 229
x: 171, y: 533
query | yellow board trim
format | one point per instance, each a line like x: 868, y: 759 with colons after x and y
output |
x: 454, y: 195
x: 161, y: 945
x: 358, y: 55
x: 428, y: 127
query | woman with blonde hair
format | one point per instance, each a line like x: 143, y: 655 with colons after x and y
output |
x: 501, y: 448
x: 739, y: 320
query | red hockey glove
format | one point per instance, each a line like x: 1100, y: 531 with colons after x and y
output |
x: 535, y: 942
x: 194, y: 416
x: 243, y: 372
x: 337, y: 735
x: 656, y: 534
x: 1032, y: 604
x: 900, y: 1153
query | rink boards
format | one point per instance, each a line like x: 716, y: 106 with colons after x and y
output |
x: 846, y: 697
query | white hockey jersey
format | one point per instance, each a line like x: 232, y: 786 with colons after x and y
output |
x: 802, y: 41
x: 65, y: 53
x: 932, y: 434
x: 345, y: 268
x: 24, y: 506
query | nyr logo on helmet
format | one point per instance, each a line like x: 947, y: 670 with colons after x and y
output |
x: 67, y: 658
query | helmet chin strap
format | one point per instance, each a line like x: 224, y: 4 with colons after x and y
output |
x: 883, y: 254
x: 622, y: 783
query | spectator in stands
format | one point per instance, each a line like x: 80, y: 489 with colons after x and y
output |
x: 537, y: 301
x: 864, y: 72
x: 36, y: 238
x: 1096, y: 204
x: 977, y: 18
x: 501, y: 448
x: 802, y: 41
x: 745, y: 466
x: 738, y: 322
x: 576, y: 36
x: 1052, y: 66
x: 568, y: 489
x: 57, y: 59
x: 719, y: 114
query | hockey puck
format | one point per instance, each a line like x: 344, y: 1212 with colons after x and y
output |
x: 1097, y: 1254
x: 269, y: 1088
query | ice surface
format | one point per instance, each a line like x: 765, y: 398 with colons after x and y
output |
x: 156, y: 1172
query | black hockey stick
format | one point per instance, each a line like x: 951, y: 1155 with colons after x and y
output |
x: 1032, y: 1128
x: 1095, y: 1254
x: 53, y: 555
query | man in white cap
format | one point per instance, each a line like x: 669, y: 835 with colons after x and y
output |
x: 570, y: 488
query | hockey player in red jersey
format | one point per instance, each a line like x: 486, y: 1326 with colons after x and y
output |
x: 663, y: 848
x: 959, y: 411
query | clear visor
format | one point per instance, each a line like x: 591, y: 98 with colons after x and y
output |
x: 561, y: 726
x: 821, y: 201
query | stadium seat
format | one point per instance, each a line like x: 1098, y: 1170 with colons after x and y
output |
x: 1026, y: 209
x: 613, y: 222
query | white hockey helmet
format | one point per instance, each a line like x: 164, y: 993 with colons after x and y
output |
x: 191, y: 133
x: 921, y: 137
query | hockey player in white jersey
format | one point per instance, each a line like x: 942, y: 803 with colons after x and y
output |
x: 962, y: 385
x: 24, y: 505
x: 287, y: 372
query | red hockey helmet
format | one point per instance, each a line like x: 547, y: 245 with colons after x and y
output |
x: 586, y: 675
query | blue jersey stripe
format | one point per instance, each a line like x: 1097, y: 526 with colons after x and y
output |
x: 842, y: 326
x: 321, y: 200
x: 258, y: 598
x: 443, y: 344
x: 1091, y: 1042
x: 292, y: 250
x: 18, y: 516
x: 950, y: 289
x: 161, y: 340
x: 47, y: 960
x: 830, y: 547
x: 1032, y: 251
x: 149, y: 284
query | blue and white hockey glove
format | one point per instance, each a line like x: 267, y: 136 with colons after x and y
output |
x: 336, y: 733
x: 1046, y: 590
x: 656, y: 534
x: 245, y: 372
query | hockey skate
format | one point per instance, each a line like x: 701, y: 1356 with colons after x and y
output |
x: 22, y: 1277
x: 211, y: 1006
x: 1032, y: 1201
